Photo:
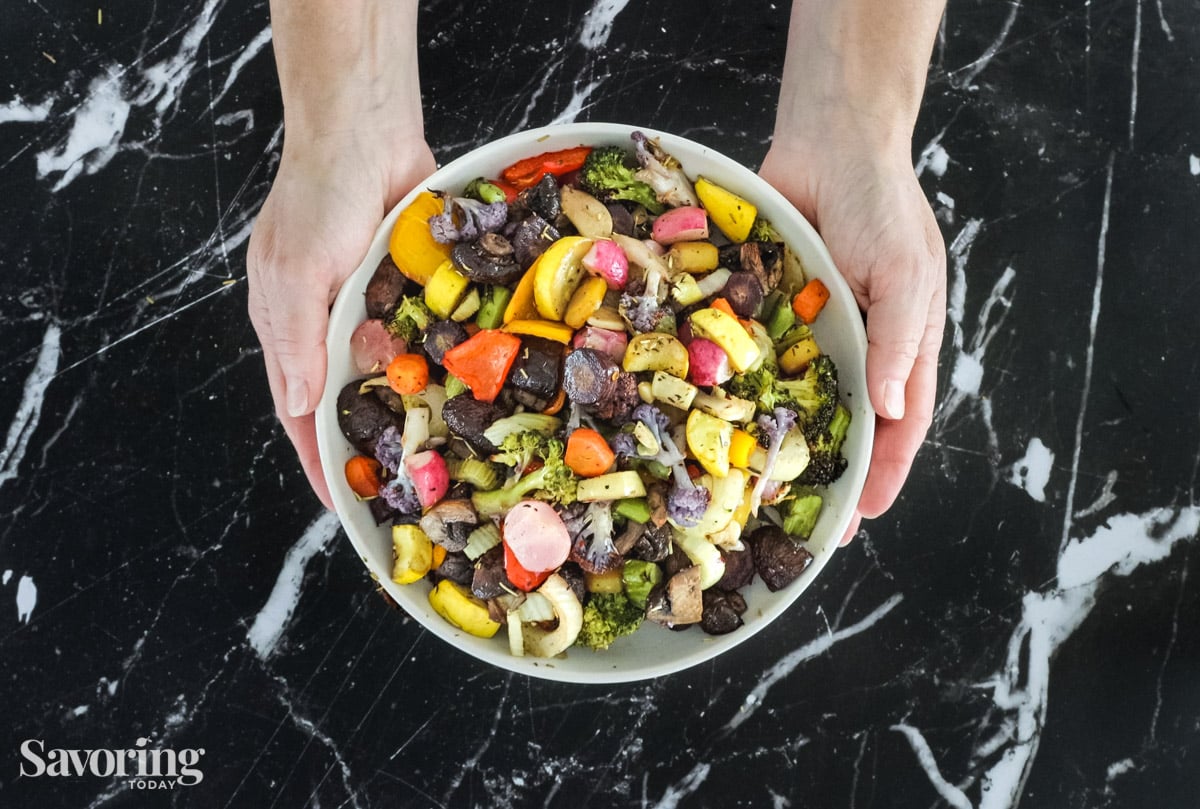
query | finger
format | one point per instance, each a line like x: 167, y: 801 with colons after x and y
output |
x: 897, y: 442
x: 301, y: 431
x: 852, y: 531
x: 894, y: 331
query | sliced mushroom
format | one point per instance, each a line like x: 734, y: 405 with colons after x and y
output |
x: 439, y: 523
x: 490, y: 260
x: 680, y: 602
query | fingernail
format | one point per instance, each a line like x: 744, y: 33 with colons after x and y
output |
x: 297, y: 399
x: 893, y: 399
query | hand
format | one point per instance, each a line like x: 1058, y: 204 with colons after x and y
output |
x: 874, y: 218
x: 316, y: 225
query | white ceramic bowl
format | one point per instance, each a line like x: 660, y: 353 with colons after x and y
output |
x: 652, y: 651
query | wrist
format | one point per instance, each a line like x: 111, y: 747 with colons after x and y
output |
x: 854, y: 75
x: 347, y: 66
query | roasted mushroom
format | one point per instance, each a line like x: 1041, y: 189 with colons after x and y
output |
x: 385, y: 288
x: 363, y: 417
x: 778, y: 558
x: 488, y: 260
x: 448, y: 523
x: 467, y: 418
x: 723, y: 610
x: 679, y: 602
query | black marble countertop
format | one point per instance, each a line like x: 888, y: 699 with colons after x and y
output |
x: 1022, y: 628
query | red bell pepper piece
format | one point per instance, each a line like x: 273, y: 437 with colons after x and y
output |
x: 521, y: 578
x: 526, y: 173
x: 483, y: 361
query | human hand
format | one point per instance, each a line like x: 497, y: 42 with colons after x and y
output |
x: 317, y: 223
x: 874, y: 218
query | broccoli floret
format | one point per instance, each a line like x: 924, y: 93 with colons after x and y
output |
x: 553, y: 478
x: 825, y: 460
x: 606, y: 176
x: 464, y: 219
x: 763, y: 231
x: 758, y: 386
x: 606, y: 617
x: 410, y: 319
x: 519, y: 450
x: 813, y: 395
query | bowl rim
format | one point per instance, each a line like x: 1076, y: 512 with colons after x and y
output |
x: 487, y: 159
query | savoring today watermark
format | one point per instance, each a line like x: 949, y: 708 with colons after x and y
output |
x: 143, y: 767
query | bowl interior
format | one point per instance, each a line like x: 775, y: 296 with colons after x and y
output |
x: 652, y: 651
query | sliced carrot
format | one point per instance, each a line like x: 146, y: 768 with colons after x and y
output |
x: 808, y: 302
x: 557, y: 404
x: 483, y: 361
x: 408, y: 374
x: 722, y: 305
x: 588, y: 454
x: 362, y: 473
x: 439, y: 556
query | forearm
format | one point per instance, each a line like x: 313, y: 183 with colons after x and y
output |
x: 348, y: 65
x: 857, y: 67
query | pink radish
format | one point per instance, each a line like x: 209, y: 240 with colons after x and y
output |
x: 708, y: 364
x: 372, y: 347
x: 430, y: 476
x: 536, y: 536
x: 606, y: 341
x: 686, y: 224
x: 607, y: 260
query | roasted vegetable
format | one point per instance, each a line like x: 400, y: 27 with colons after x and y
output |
x: 607, y: 175
x: 606, y: 617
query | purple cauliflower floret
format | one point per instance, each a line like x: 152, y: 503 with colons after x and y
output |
x: 465, y: 220
x: 623, y: 445
x: 401, y: 494
x: 592, y: 532
x: 644, y: 311
x: 686, y: 502
x: 389, y: 449
x: 773, y: 428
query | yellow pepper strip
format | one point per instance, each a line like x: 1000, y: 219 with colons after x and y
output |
x: 559, y: 332
x: 740, y: 447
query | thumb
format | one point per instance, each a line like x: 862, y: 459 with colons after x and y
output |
x: 299, y: 324
x: 894, y: 331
